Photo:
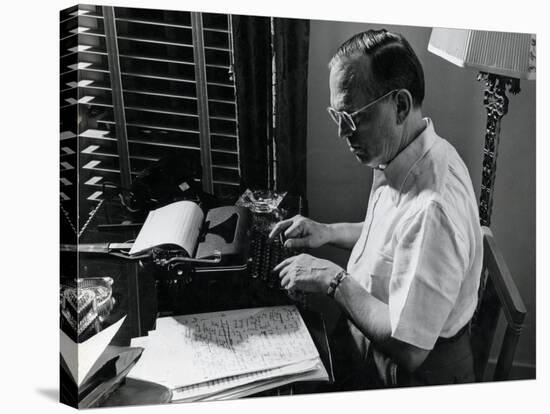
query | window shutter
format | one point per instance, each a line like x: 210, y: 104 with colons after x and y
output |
x: 137, y: 85
x: 85, y: 98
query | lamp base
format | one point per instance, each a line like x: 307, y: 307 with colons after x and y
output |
x: 496, y: 104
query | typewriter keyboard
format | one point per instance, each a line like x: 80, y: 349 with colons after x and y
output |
x: 265, y: 254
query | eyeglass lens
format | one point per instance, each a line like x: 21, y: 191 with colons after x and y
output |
x: 338, y: 117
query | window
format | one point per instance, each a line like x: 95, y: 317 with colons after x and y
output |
x: 137, y: 85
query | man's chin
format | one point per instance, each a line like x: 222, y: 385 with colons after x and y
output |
x: 363, y: 158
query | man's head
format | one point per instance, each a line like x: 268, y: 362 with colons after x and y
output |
x: 377, y: 79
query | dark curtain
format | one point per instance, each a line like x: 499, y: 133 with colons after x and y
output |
x: 252, y: 54
x: 292, y: 53
x: 253, y: 77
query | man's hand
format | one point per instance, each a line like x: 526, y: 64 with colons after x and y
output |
x: 302, y: 232
x: 306, y: 273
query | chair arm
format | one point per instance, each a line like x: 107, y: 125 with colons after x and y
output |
x: 512, y: 304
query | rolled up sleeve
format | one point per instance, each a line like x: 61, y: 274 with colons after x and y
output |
x: 428, y: 270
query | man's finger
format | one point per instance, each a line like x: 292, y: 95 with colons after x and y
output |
x: 289, y: 280
x: 283, y: 264
x: 280, y: 227
x: 297, y: 243
x: 295, y: 230
x: 285, y: 281
x: 286, y: 270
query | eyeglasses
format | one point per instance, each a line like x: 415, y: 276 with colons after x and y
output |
x: 339, y: 116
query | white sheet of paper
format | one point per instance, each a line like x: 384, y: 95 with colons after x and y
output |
x: 191, y: 349
x: 235, y: 383
x: 178, y: 223
x: 81, y: 357
x: 139, y: 341
x: 319, y: 373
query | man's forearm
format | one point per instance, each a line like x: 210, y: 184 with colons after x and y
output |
x: 344, y: 235
x: 372, y: 318
x: 369, y: 314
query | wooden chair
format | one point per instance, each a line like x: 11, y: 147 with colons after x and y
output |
x: 497, y: 291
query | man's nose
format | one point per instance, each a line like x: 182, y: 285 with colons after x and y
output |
x: 344, y: 131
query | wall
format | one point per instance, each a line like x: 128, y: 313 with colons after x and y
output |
x: 338, y: 186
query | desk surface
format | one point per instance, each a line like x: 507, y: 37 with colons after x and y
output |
x: 141, y: 293
x: 136, y: 392
x: 139, y: 321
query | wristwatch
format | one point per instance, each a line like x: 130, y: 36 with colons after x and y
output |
x: 335, y: 282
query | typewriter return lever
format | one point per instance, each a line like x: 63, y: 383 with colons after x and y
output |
x: 173, y: 259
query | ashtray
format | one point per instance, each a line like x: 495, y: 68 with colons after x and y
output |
x: 85, y: 304
x: 260, y: 201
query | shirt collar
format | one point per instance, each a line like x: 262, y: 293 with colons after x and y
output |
x: 397, y: 171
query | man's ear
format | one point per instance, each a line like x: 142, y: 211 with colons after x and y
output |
x: 404, y: 105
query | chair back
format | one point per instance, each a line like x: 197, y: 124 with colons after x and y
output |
x: 497, y: 292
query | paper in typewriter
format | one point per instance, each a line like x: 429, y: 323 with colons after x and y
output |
x: 191, y: 349
x: 177, y: 224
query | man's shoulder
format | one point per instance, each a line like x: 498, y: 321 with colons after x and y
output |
x: 441, y: 171
x: 441, y: 180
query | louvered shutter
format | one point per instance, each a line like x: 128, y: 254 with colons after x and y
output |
x: 136, y: 85
x: 87, y: 157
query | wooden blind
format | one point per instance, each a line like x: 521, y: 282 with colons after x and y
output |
x: 137, y: 85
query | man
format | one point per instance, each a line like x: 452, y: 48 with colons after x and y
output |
x: 410, y: 287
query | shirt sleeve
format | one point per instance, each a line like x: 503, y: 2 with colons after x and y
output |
x: 428, y: 269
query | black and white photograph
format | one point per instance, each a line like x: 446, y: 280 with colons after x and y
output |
x: 258, y: 206
x: 265, y: 206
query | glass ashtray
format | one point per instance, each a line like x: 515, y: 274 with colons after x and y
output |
x: 85, y: 304
x: 260, y: 201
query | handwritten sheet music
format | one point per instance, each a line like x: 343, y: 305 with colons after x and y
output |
x: 192, y: 349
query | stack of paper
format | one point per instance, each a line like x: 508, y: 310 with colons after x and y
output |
x: 223, y: 355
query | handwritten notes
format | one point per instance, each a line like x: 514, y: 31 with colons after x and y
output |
x: 193, y: 349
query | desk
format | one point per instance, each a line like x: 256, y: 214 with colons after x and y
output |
x: 135, y: 392
x: 135, y: 289
x: 130, y: 282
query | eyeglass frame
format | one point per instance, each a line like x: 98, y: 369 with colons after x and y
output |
x: 348, y: 118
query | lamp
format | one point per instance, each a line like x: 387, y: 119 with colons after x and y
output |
x: 502, y: 59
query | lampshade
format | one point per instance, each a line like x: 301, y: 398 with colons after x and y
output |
x: 507, y: 54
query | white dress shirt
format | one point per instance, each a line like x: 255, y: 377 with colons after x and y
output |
x: 420, y: 250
